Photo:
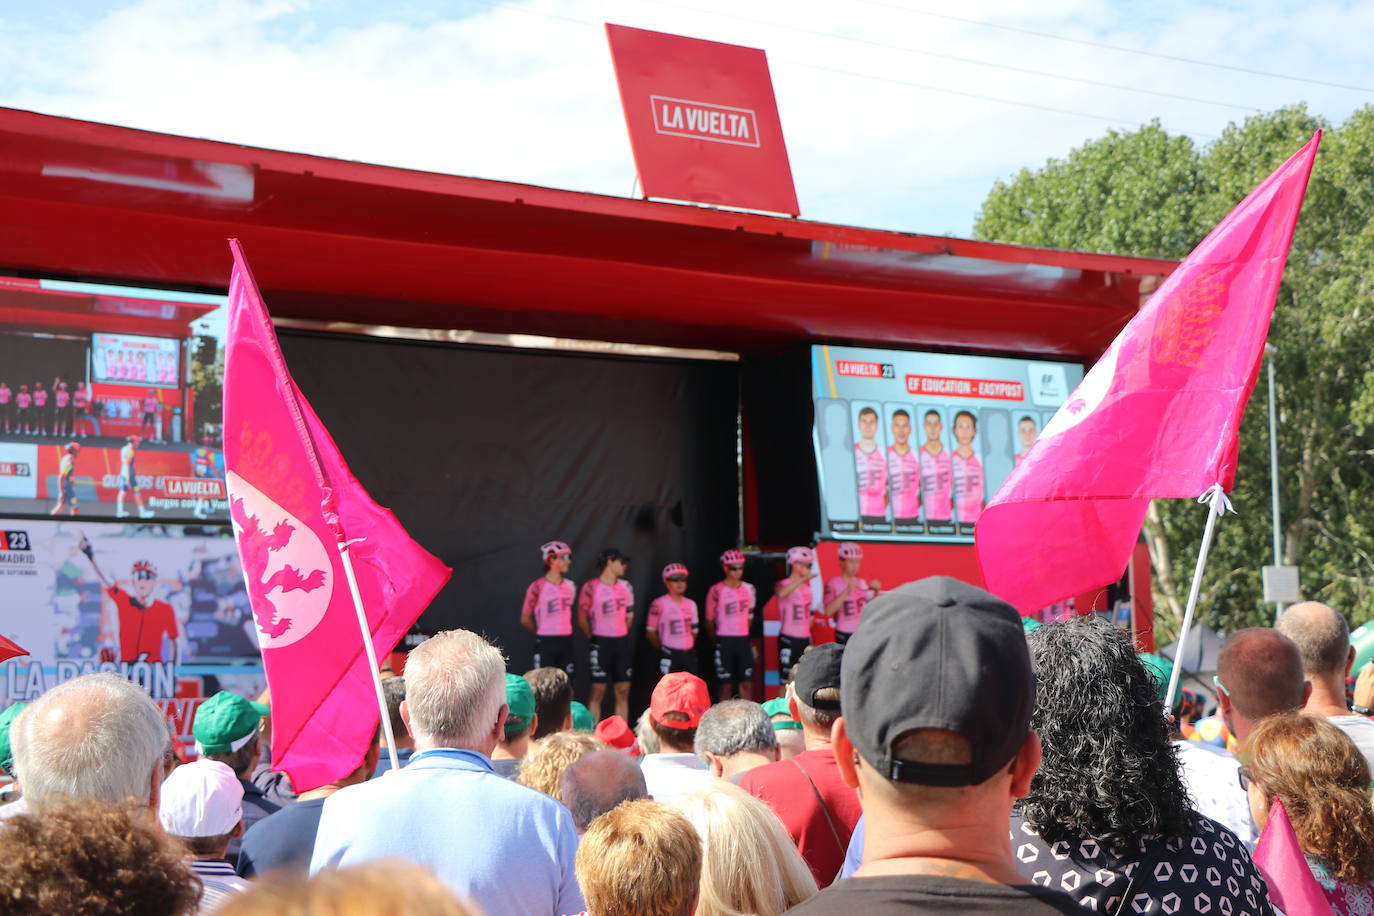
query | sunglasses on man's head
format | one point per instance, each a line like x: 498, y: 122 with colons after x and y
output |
x: 677, y: 578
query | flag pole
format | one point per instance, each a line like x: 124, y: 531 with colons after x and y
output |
x: 1217, y: 504
x: 371, y: 652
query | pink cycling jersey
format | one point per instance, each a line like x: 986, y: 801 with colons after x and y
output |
x: 24, y: 399
x: 935, y: 485
x: 847, y: 617
x: 968, y: 487
x: 4, y: 395
x: 871, y: 469
x: 551, y: 606
x: 606, y: 606
x: 80, y: 398
x: 728, y: 608
x: 62, y: 398
x: 904, y: 476
x: 673, y: 621
x: 40, y: 398
x: 795, y: 610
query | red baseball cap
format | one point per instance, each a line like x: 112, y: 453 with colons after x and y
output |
x: 615, y: 733
x: 683, y: 693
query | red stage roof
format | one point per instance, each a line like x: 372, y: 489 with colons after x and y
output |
x: 332, y: 240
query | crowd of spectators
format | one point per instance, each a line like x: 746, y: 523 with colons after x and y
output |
x: 945, y: 758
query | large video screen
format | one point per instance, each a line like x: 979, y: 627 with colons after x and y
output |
x: 910, y: 446
x: 110, y: 402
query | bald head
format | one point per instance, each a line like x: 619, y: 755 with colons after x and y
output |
x: 598, y: 782
x: 1321, y: 635
x: 95, y: 737
x: 1262, y: 673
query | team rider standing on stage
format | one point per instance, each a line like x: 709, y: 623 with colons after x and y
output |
x: 547, y: 612
x: 846, y: 594
x: 66, y: 479
x: 672, y: 623
x: 729, y: 613
x: 128, y: 480
x: 605, y: 610
x: 794, y: 609
x: 142, y: 621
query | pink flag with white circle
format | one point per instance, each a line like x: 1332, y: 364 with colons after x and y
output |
x: 293, y: 500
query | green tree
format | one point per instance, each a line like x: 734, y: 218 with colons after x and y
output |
x: 1146, y: 193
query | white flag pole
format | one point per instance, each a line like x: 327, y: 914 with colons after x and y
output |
x: 371, y: 652
x: 1217, y: 504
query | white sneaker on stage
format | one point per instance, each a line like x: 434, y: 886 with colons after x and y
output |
x: 145, y: 513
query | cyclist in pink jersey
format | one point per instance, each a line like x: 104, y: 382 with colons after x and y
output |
x: 935, y: 471
x: 671, y: 625
x: 6, y: 407
x: 1026, y: 431
x: 23, y: 401
x: 871, y: 468
x: 40, y: 409
x: 604, y: 612
x: 150, y: 406
x: 81, y: 400
x: 794, y: 610
x: 903, y: 472
x: 846, y: 594
x: 966, y: 470
x: 547, y: 611
x: 729, y: 615
x: 62, y: 409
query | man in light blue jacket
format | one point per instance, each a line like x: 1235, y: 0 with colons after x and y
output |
x: 505, y: 847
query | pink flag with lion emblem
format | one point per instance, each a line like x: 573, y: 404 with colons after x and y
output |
x: 293, y: 501
x: 1157, y: 416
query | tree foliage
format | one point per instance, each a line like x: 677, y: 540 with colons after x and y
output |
x: 1146, y: 193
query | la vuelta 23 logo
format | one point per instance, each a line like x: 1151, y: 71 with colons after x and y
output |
x: 287, y: 568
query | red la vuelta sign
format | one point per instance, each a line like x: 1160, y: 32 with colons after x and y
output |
x: 703, y: 121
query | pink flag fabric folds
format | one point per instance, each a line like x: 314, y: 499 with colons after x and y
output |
x: 293, y: 500
x: 1157, y: 416
x: 1292, y: 886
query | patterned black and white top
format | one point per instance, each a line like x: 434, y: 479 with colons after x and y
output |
x: 1209, y: 872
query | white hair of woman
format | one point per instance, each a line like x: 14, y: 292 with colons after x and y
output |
x: 455, y: 688
x: 750, y: 865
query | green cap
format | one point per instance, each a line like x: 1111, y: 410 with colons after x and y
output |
x: 778, y: 707
x: 582, y: 718
x: 224, y: 723
x: 6, y: 720
x: 520, y: 699
x: 1030, y: 624
x: 1161, y: 669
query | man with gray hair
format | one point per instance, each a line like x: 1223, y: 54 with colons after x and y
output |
x: 1323, y: 640
x: 507, y: 848
x: 596, y: 783
x: 734, y: 737
x: 94, y: 738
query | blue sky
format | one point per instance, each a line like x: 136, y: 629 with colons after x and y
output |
x: 898, y: 113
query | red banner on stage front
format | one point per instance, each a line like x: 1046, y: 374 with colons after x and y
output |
x: 703, y: 121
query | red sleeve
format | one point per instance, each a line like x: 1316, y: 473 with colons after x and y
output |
x: 170, y: 625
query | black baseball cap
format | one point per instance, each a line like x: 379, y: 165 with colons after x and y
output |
x: 609, y: 554
x: 938, y: 653
x: 819, y: 668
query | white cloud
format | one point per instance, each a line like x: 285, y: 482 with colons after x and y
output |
x: 517, y: 92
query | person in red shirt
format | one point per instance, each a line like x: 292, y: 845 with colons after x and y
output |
x: 806, y: 791
x: 142, y: 620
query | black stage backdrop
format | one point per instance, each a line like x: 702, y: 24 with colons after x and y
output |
x: 484, y: 454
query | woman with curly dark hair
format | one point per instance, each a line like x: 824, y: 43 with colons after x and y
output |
x: 1323, y: 781
x: 1107, y: 817
x: 90, y: 859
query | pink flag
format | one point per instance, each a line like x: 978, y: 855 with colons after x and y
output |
x: 10, y: 649
x: 1158, y: 416
x: 293, y: 501
x: 1292, y: 886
